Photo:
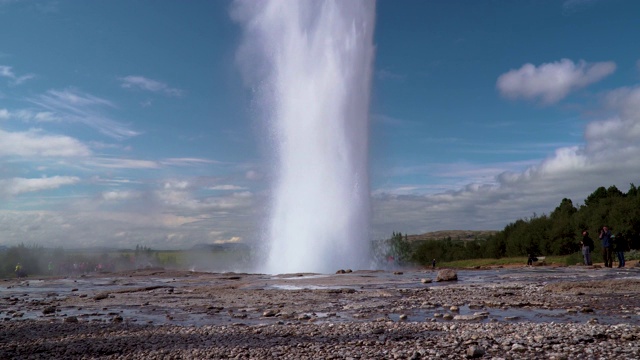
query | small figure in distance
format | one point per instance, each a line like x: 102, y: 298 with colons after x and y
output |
x: 605, y: 238
x: 530, y: 260
x: 433, y: 264
x: 587, y: 247
x: 19, y: 272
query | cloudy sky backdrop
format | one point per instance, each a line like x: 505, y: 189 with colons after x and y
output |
x: 125, y: 123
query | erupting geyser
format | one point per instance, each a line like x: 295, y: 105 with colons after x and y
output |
x: 311, y: 63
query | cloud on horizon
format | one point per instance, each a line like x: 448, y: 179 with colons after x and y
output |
x: 551, y: 82
x: 611, y: 151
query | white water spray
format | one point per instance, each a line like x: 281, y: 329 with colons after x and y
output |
x: 313, y: 62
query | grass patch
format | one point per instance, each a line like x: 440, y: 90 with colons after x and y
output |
x: 519, y: 260
x: 484, y: 262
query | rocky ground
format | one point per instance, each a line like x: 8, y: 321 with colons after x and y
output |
x: 564, y: 313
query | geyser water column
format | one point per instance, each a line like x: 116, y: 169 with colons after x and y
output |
x: 310, y: 63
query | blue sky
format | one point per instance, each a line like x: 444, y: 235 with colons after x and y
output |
x: 128, y: 122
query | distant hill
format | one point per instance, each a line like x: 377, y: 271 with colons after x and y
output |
x: 453, y: 234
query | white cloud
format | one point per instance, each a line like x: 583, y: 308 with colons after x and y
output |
x: 76, y: 106
x: 119, y: 195
x: 142, y: 83
x: 551, y: 82
x: 16, y: 186
x: 234, y: 239
x: 34, y: 143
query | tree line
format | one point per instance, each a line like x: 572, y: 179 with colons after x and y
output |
x: 558, y: 233
x: 38, y: 260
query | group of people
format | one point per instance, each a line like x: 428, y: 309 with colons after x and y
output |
x: 610, y: 244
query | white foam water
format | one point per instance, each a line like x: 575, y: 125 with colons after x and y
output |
x: 311, y: 63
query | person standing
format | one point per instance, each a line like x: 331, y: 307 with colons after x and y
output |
x: 619, y: 246
x: 605, y: 238
x: 587, y: 247
x: 433, y: 264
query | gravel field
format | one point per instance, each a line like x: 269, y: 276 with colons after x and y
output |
x: 518, y: 313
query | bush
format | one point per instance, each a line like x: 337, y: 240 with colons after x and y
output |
x: 574, y: 258
x: 632, y: 255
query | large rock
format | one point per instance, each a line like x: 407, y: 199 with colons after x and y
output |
x: 447, y: 275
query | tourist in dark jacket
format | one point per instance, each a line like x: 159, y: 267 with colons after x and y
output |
x: 605, y: 238
x: 587, y: 247
x: 619, y: 247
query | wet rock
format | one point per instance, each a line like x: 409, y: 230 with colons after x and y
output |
x: 475, y: 351
x: 469, y: 317
x: 49, y: 310
x: 446, y: 275
x: 269, y: 313
x: 425, y: 280
x: 71, y: 319
x: 101, y: 296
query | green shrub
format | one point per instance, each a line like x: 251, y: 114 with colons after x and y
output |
x: 574, y: 258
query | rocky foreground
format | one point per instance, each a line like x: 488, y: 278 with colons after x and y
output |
x: 361, y: 315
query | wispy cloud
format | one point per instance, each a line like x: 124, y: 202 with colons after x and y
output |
x: 27, y: 115
x: 16, y: 186
x: 7, y: 72
x: 227, y: 187
x: 37, y: 143
x: 75, y: 106
x: 118, y: 163
x: 146, y: 84
x: 188, y: 161
x: 551, y: 82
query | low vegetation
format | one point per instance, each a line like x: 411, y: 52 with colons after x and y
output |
x: 557, y: 234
